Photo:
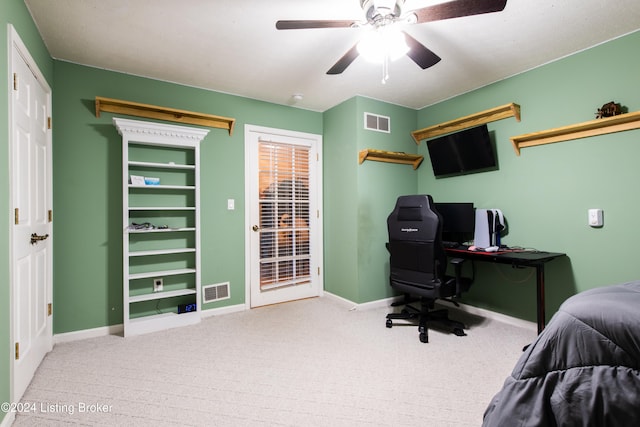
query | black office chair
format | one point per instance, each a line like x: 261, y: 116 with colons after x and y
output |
x: 419, y: 263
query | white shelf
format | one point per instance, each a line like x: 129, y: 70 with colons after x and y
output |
x: 162, y: 208
x: 162, y: 273
x: 164, y: 187
x: 161, y: 230
x: 161, y: 165
x: 157, y: 145
x: 162, y: 252
x: 161, y: 295
x: 159, y: 322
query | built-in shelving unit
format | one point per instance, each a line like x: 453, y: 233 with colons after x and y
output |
x: 603, y: 126
x: 161, y: 225
x: 477, y: 119
x: 390, y: 157
x: 129, y: 108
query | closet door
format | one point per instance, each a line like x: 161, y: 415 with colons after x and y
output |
x: 31, y: 226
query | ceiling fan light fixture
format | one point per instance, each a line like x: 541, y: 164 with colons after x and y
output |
x: 383, y: 44
x: 387, y: 5
x: 381, y: 11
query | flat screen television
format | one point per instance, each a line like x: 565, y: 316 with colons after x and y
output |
x: 463, y: 152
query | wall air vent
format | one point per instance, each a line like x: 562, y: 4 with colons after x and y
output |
x: 217, y: 292
x: 377, y: 122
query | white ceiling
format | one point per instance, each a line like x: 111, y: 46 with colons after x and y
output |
x: 232, y: 46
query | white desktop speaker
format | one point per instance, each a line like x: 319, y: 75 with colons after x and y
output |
x: 489, y: 224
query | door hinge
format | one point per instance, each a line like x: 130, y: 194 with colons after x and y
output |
x: 15, y: 81
x: 317, y: 214
x: 49, y: 122
x: 50, y: 215
x: 17, y: 351
x: 16, y: 216
x: 49, y: 309
x: 318, y: 271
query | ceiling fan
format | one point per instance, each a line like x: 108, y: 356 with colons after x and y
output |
x: 382, y: 15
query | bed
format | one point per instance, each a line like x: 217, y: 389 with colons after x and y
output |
x: 582, y: 370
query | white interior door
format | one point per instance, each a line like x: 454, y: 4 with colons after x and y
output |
x: 31, y: 255
x: 283, y: 215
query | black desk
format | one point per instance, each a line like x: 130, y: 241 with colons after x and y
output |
x: 535, y: 259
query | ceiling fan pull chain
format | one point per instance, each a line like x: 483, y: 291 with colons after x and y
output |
x: 385, y: 68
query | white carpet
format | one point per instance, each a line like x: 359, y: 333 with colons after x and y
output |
x: 304, y: 363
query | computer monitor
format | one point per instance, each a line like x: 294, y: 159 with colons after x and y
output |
x: 458, y: 221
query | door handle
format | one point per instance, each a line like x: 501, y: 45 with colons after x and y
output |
x: 36, y: 238
x: 255, y: 228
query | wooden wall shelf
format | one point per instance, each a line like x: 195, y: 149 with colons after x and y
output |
x: 487, y: 116
x: 390, y: 157
x: 162, y: 113
x: 603, y: 126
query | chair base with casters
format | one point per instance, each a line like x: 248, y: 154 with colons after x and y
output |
x: 425, y: 315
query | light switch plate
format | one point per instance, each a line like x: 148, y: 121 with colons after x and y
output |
x: 231, y: 204
x: 595, y: 217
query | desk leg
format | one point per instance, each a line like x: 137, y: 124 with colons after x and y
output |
x: 540, y: 297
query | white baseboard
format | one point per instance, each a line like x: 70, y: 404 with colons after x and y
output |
x: 493, y: 315
x: 487, y: 314
x: 365, y: 306
x: 9, y: 418
x: 88, y: 333
x: 224, y: 310
x: 119, y: 329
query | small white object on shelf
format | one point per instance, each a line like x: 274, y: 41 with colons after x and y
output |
x: 137, y: 180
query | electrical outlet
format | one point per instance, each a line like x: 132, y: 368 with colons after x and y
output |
x: 157, y: 285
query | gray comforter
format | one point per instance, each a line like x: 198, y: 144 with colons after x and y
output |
x: 583, y: 370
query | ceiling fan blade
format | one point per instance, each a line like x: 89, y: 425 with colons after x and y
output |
x: 458, y: 8
x: 345, y: 61
x: 420, y: 54
x: 300, y: 24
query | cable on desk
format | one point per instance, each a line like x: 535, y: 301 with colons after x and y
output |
x: 501, y: 273
x: 524, y: 249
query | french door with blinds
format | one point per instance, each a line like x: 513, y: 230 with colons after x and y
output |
x: 283, y: 215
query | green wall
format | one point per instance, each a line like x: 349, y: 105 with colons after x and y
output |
x: 15, y: 13
x: 340, y: 186
x: 545, y: 193
x: 87, y: 188
x: 379, y: 185
x: 358, y: 198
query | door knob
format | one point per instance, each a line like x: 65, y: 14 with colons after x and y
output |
x: 36, y: 238
x: 255, y: 228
